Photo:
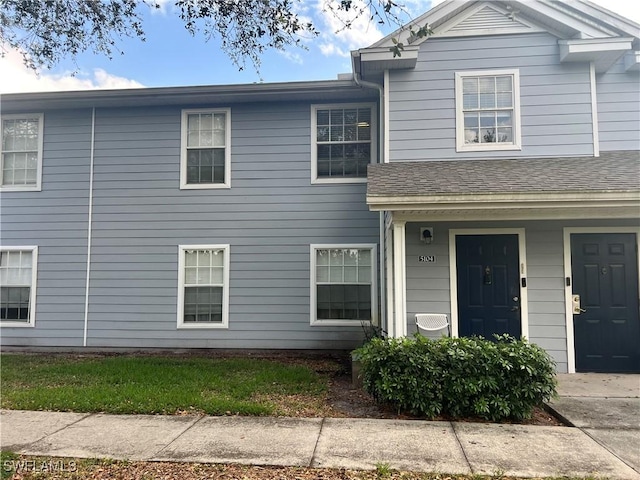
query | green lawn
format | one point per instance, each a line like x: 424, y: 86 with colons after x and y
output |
x: 152, y: 384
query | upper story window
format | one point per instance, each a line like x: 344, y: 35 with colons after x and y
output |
x: 21, y: 152
x: 343, y: 286
x: 203, y: 286
x: 343, y: 142
x: 488, y: 110
x: 18, y: 286
x: 206, y: 149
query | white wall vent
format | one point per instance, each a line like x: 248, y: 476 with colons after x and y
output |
x: 486, y: 19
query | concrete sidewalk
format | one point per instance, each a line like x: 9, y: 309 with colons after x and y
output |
x: 606, y: 407
x: 444, y: 447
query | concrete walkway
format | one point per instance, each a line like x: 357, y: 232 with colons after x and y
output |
x: 597, y: 447
x: 606, y: 407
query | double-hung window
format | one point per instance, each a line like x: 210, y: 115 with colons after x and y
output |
x: 488, y: 110
x: 21, y: 151
x: 343, y: 284
x: 343, y: 142
x: 203, y: 286
x: 18, y: 286
x: 206, y: 149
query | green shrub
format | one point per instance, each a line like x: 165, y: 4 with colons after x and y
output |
x: 458, y: 377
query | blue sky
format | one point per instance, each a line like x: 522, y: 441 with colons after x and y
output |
x: 172, y: 57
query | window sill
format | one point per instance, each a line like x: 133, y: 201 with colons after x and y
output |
x: 12, y: 188
x: 340, y: 323
x: 4, y: 324
x: 325, y: 181
x: 202, y: 326
x: 487, y: 147
x: 206, y: 186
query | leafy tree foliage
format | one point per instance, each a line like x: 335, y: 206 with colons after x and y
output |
x: 46, y: 31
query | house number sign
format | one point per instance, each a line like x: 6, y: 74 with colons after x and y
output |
x: 427, y: 258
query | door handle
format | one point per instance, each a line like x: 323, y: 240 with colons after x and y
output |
x: 575, y: 301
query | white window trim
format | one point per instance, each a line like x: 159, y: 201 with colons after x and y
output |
x: 374, y: 284
x: 32, y: 294
x: 225, y: 290
x: 461, y: 146
x: 314, y: 149
x: 37, y: 187
x: 183, y: 151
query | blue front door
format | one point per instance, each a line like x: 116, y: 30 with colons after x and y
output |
x: 605, y: 276
x: 488, y: 285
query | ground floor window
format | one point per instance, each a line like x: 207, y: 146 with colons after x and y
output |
x: 17, y: 285
x: 343, y: 284
x: 203, y: 292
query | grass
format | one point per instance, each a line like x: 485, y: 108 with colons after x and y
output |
x: 32, y: 468
x: 7, y: 462
x: 151, y: 384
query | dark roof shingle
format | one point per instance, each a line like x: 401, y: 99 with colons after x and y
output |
x: 611, y: 171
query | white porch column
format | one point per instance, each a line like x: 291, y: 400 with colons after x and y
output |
x: 398, y: 325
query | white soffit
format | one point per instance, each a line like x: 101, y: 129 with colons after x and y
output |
x: 380, y: 59
x: 632, y: 61
x: 486, y: 19
x: 603, y: 52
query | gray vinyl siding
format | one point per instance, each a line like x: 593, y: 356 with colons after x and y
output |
x: 555, y: 98
x: 618, y: 94
x: 269, y: 218
x: 428, y: 284
x: 54, y: 219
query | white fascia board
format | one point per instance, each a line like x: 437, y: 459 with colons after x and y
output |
x: 571, y: 48
x: 382, y: 58
x: 629, y: 27
x: 506, y: 197
x: 379, y: 54
x: 628, y: 203
x: 558, y: 11
x: 433, y: 18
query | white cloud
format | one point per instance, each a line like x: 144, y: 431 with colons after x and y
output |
x: 337, y: 40
x: 291, y: 56
x: 18, y: 78
x: 164, y: 7
x: 626, y: 8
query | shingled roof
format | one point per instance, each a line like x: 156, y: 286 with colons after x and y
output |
x: 610, y: 172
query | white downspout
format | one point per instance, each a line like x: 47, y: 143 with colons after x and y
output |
x: 594, y: 110
x: 382, y: 129
x: 89, y: 227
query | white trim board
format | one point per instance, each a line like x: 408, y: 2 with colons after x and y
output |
x: 37, y: 186
x: 453, y: 277
x: 314, y: 321
x: 226, y: 262
x: 32, y: 292
x: 315, y: 179
x: 568, y: 289
x: 184, y: 116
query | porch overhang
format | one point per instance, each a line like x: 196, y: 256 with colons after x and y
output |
x: 372, y: 61
x: 510, y: 206
x: 601, y: 187
x: 603, y: 52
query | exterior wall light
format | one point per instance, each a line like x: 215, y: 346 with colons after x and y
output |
x: 426, y: 235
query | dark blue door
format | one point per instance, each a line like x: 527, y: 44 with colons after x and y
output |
x: 488, y: 285
x: 604, y: 269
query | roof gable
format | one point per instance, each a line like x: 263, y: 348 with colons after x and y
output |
x: 578, y: 19
x: 485, y: 19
